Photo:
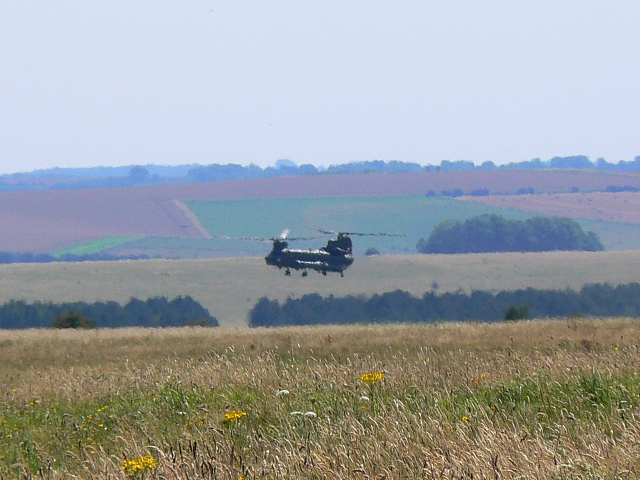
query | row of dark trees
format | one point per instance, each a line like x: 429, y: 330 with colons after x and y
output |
x: 494, y: 233
x: 400, y: 306
x: 30, y: 257
x: 154, y: 312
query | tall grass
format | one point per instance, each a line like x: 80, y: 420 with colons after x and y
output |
x: 536, y: 399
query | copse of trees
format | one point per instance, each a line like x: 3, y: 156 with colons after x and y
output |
x: 400, y: 306
x: 72, y: 320
x: 494, y: 233
x: 154, y: 312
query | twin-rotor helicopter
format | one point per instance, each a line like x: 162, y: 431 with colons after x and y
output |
x: 335, y: 256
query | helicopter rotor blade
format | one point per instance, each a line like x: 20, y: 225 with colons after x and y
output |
x: 301, y: 238
x: 254, y: 239
x: 322, y: 230
x: 376, y: 234
x: 284, y: 235
x: 358, y: 234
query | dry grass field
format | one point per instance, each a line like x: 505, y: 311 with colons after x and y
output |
x: 555, y: 399
x: 230, y: 287
x: 621, y: 207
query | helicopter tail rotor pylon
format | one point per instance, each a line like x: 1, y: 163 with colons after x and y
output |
x: 285, y: 233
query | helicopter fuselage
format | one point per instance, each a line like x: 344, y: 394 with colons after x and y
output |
x: 335, y: 257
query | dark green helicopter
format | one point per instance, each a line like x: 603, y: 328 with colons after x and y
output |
x: 336, y: 256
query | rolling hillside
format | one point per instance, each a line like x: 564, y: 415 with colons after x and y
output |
x: 54, y: 220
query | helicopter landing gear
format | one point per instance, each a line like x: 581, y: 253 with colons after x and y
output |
x: 287, y: 272
x: 342, y: 274
x: 305, y: 273
x: 324, y: 272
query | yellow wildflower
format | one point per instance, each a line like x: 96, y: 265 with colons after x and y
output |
x: 372, y: 378
x: 139, y: 465
x: 233, y: 416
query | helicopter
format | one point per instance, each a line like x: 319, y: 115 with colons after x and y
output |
x: 336, y: 256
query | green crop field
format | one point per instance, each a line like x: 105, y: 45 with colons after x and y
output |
x: 98, y: 246
x: 230, y: 287
x: 415, y: 216
x: 555, y: 399
x: 614, y: 235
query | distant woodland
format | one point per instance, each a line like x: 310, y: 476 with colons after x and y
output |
x: 593, y: 300
x: 494, y: 233
x: 154, y: 312
x: 598, y: 300
x: 30, y: 257
x: 137, y: 175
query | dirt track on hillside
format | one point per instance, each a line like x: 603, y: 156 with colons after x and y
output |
x: 48, y: 220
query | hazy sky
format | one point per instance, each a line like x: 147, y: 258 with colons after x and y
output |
x: 92, y: 83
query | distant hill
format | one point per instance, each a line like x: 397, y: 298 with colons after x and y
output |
x: 52, y: 220
x: 136, y: 175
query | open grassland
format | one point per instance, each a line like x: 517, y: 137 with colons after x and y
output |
x: 537, y: 399
x: 230, y: 287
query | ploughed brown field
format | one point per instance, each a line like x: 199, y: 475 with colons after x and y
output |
x: 49, y: 220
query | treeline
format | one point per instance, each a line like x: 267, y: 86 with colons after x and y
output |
x: 210, y: 173
x: 602, y: 300
x: 30, y: 257
x: 103, y: 177
x: 494, y: 233
x: 154, y: 312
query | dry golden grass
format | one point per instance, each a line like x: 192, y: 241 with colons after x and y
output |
x: 31, y: 355
x: 534, y: 399
x: 230, y: 287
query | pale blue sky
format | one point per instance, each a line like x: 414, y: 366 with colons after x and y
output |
x: 92, y: 83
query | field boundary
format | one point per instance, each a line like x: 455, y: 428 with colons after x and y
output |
x: 191, y: 216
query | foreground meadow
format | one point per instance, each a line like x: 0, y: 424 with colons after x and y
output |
x: 534, y: 399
